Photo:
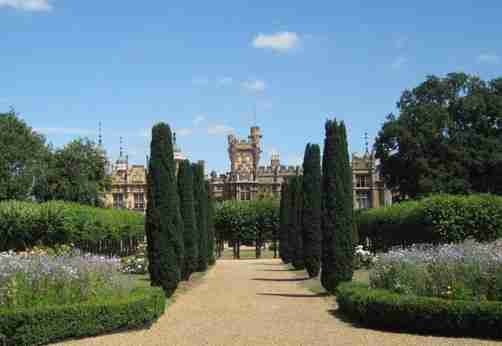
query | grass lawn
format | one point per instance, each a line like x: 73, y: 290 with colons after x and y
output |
x: 246, y: 254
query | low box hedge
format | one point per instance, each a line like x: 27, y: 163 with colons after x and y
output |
x: 392, y: 311
x: 48, y: 324
x: 436, y: 219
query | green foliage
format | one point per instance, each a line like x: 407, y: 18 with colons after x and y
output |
x: 284, y: 236
x: 22, y: 157
x: 384, y: 309
x: 25, y: 224
x: 244, y: 219
x: 75, y: 173
x: 295, y: 222
x: 436, y: 219
x: 200, y: 195
x: 164, y: 226
x: 210, y: 228
x: 337, y: 209
x: 446, y: 139
x: 187, y: 206
x: 42, y: 325
x: 311, y: 211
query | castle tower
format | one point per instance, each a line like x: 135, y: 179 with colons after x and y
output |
x: 245, y: 155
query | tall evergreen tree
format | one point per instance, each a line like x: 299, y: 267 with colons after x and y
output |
x: 164, y: 223
x: 337, y: 209
x: 210, y: 227
x: 296, y: 236
x: 284, y: 229
x: 200, y: 196
x: 190, y: 235
x: 311, y: 211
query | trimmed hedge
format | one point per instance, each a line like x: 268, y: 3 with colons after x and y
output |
x: 437, y: 219
x: 392, y: 311
x: 25, y: 224
x: 48, y: 324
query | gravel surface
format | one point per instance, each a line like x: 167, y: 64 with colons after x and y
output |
x: 258, y: 302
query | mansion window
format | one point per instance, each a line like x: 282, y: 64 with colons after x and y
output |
x: 362, y: 180
x: 363, y: 200
x: 118, y: 200
x: 139, y: 201
x: 245, y: 196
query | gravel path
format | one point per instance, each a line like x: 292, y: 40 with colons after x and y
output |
x: 258, y: 302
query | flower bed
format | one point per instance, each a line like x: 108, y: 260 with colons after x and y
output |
x: 468, y: 271
x: 47, y: 297
x: 451, y: 289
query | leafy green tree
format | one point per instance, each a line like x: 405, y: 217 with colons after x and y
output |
x: 284, y: 230
x: 23, y: 156
x: 295, y: 222
x: 311, y: 211
x: 200, y: 196
x: 187, y: 206
x: 337, y: 209
x: 164, y: 222
x: 210, y: 227
x: 447, y: 138
x: 75, y: 173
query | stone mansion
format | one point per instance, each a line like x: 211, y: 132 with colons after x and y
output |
x: 246, y: 180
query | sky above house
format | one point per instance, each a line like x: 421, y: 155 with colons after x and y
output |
x: 209, y: 68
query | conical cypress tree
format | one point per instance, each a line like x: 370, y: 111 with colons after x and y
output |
x: 337, y: 209
x: 165, y: 224
x: 296, y: 236
x: 311, y: 211
x: 152, y: 231
x: 200, y: 196
x: 210, y: 227
x: 284, y: 229
x: 185, y: 191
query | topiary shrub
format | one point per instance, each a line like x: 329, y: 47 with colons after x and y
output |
x: 41, y: 325
x: 384, y: 309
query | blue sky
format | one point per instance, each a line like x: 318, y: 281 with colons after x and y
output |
x: 203, y: 66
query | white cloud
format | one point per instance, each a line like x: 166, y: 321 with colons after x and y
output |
x: 257, y: 85
x: 399, y: 62
x: 65, y: 131
x: 489, y: 58
x: 183, y: 132
x: 223, y: 81
x: 198, y: 120
x: 27, y: 5
x: 280, y: 41
x: 219, y: 130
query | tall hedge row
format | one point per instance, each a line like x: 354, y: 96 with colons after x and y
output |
x: 243, y: 219
x: 436, y: 219
x: 26, y: 224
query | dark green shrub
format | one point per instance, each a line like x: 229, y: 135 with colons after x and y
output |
x: 25, y: 224
x: 210, y: 228
x: 295, y: 222
x: 200, y: 196
x: 383, y: 309
x: 190, y: 235
x: 284, y: 241
x: 337, y: 209
x: 164, y: 222
x: 436, y: 219
x: 311, y: 211
x: 51, y: 323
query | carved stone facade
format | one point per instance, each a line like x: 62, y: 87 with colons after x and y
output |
x: 128, y: 188
x: 246, y: 179
x: 368, y: 185
x: 249, y: 181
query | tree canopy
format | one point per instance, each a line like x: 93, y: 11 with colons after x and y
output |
x: 447, y: 137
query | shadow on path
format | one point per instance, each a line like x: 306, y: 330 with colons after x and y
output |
x: 294, y: 295
x: 280, y: 280
x: 277, y: 270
